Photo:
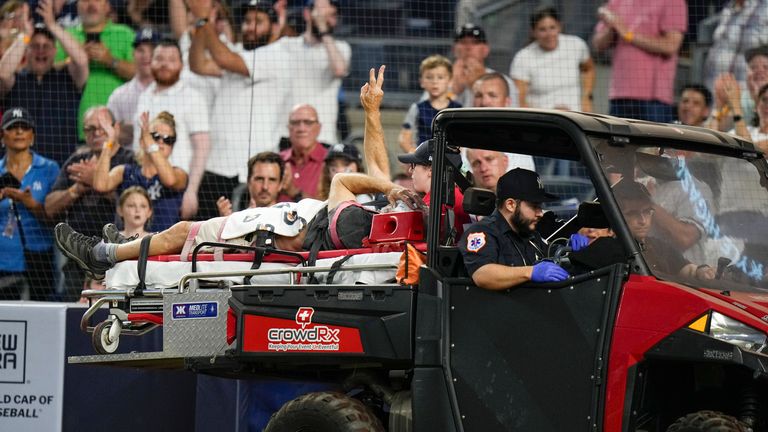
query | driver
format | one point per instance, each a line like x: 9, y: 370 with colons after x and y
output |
x: 503, y: 250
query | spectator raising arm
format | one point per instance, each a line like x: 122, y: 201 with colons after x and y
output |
x: 320, y: 15
x: 205, y: 38
x: 374, y: 148
x: 78, y: 59
x: 15, y: 53
x: 201, y: 146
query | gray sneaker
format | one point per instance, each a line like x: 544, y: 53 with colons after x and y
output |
x: 79, y: 247
x: 111, y: 234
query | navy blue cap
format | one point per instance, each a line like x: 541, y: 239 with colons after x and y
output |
x: 471, y: 30
x: 523, y: 184
x: 14, y: 115
x: 146, y: 35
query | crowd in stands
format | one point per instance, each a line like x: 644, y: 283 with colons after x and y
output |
x: 155, y: 112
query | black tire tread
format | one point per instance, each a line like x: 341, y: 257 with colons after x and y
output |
x: 708, y: 421
x: 338, y: 411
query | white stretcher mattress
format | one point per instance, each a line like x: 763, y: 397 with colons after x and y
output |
x: 161, y: 274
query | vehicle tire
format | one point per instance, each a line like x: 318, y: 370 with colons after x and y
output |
x: 100, y: 339
x: 708, y: 421
x: 324, y: 412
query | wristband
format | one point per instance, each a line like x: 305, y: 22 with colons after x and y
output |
x: 25, y: 39
x: 108, y: 145
x: 114, y: 63
x: 628, y: 37
x: 201, y: 22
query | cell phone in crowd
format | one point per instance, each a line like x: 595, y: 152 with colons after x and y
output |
x: 93, y: 37
x: 8, y: 180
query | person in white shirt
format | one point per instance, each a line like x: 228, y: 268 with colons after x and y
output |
x: 318, y: 63
x: 122, y: 102
x: 251, y: 104
x: 169, y: 93
x: 555, y: 70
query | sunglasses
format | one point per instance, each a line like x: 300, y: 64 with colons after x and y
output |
x: 167, y: 139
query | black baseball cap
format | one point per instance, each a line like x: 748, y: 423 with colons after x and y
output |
x: 266, y: 6
x: 423, y: 155
x: 146, y: 35
x: 523, y: 184
x: 11, y: 116
x: 348, y: 152
x: 471, y: 30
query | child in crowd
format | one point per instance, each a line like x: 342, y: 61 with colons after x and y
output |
x: 435, y: 74
x: 135, y: 209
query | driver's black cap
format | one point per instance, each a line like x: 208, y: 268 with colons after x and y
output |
x: 524, y: 185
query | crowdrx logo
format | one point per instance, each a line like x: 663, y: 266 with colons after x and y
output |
x: 304, y: 316
x: 13, y: 349
x: 310, y: 337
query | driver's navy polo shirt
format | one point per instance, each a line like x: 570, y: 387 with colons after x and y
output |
x: 492, y: 241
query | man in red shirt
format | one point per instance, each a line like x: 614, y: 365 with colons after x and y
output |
x: 305, y: 159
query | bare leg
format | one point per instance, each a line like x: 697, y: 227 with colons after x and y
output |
x: 170, y: 241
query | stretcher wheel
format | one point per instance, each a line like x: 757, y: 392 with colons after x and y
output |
x: 102, y: 342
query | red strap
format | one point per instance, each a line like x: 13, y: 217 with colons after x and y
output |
x: 332, y: 226
x: 190, y: 240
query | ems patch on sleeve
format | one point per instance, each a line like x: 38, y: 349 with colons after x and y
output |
x: 475, y: 242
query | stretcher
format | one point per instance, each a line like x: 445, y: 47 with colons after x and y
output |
x: 139, y: 293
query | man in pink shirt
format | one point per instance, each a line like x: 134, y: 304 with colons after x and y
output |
x: 305, y: 159
x: 645, y: 37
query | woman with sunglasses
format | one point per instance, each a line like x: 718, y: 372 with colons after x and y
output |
x: 152, y: 171
x: 26, y: 242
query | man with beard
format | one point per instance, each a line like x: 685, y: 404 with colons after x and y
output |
x: 50, y: 94
x: 110, y: 51
x: 252, y: 100
x: 190, y: 152
x: 318, y: 63
x: 504, y: 250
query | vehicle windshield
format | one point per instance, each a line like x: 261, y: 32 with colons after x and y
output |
x: 688, y: 209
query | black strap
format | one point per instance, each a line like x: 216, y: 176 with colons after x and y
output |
x: 335, y: 267
x: 141, y: 265
x: 264, y: 240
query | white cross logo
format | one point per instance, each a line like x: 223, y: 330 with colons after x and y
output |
x: 180, y: 310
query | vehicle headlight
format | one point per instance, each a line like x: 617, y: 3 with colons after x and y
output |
x: 732, y: 331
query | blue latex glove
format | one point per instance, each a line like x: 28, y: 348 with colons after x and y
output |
x: 578, y: 242
x: 547, y: 271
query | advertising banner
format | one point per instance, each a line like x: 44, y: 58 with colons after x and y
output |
x: 32, y: 337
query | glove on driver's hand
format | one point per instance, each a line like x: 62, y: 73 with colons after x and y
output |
x: 578, y: 242
x: 546, y: 271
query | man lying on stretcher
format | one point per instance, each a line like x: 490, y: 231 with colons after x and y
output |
x: 287, y: 223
